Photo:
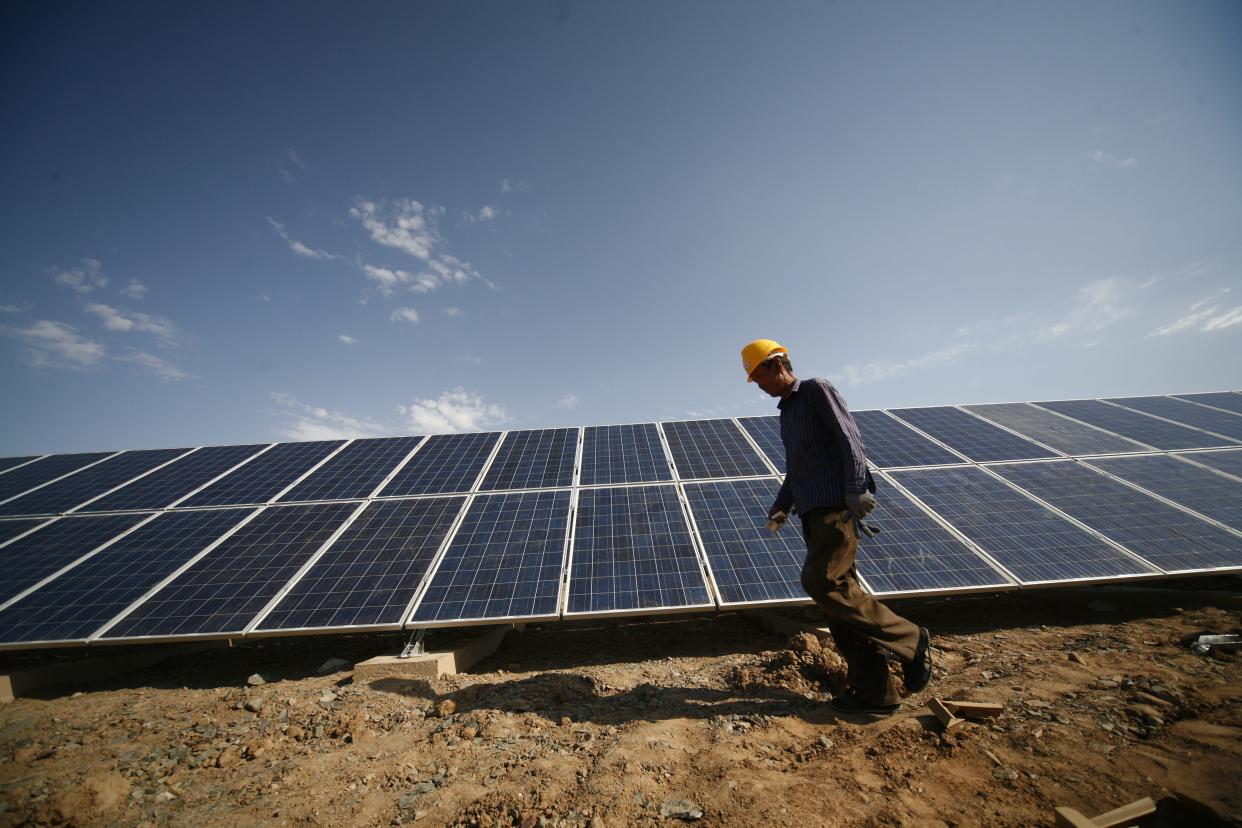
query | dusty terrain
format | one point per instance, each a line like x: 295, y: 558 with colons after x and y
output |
x: 708, y: 719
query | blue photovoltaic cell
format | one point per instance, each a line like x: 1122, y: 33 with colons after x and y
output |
x: 39, y: 472
x: 82, y: 600
x: 7, y: 463
x: 971, y: 436
x: 63, y: 495
x: 226, y: 589
x: 1228, y: 400
x: 889, y: 443
x: 12, y: 528
x: 1161, y: 534
x: 748, y: 562
x: 28, y: 560
x: 161, y: 488
x: 1033, y: 543
x: 766, y: 431
x: 263, y: 477
x: 355, y: 471
x: 1230, y: 425
x: 633, y: 551
x: 448, y: 463
x: 1194, y: 487
x: 539, y: 459
x: 1051, y: 429
x: 369, y: 575
x: 1230, y: 462
x: 913, y: 553
x: 504, y: 562
x: 1136, y: 426
x: 712, y: 448
x: 623, y: 454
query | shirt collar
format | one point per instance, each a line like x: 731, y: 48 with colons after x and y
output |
x: 797, y: 384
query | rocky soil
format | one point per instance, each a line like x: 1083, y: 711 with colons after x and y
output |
x: 705, y: 719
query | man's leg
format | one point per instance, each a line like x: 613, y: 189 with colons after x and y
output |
x: 829, y: 578
x: 868, y: 674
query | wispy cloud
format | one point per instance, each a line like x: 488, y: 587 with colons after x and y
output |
x: 452, y: 311
x: 127, y: 321
x: 386, y: 279
x: 568, y: 401
x: 470, y: 359
x: 162, y: 368
x: 412, y: 227
x: 347, y: 339
x: 881, y: 369
x: 1108, y: 159
x: 309, y: 422
x: 487, y: 212
x: 1204, y: 316
x: 1095, y: 306
x: 292, y: 167
x: 134, y: 290
x: 52, y: 344
x: 404, y: 315
x: 297, y: 246
x: 82, y: 279
x: 10, y: 309
x: 453, y: 411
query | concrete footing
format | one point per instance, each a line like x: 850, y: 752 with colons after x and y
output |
x: 774, y: 622
x: 81, y: 673
x: 432, y: 665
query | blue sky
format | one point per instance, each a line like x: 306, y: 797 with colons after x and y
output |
x: 242, y: 222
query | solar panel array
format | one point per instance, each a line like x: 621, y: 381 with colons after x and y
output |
x: 408, y: 532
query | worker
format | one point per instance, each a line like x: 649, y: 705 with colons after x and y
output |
x: 828, y: 484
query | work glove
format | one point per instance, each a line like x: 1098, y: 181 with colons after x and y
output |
x: 860, y: 504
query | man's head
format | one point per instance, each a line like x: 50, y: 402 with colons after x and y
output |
x: 767, y: 363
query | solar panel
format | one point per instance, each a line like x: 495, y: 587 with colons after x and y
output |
x: 26, y: 561
x: 538, y: 459
x: 712, y: 448
x: 74, y: 490
x: 264, y: 477
x: 371, y: 573
x: 1161, y: 534
x: 978, y: 440
x: 39, y: 472
x: 224, y: 590
x: 83, y: 599
x: 623, y: 454
x: 890, y: 443
x: 1194, y: 487
x: 749, y: 563
x: 354, y: 472
x: 504, y: 561
x: 633, y: 551
x: 161, y: 488
x: 1219, y: 422
x: 766, y: 432
x: 1228, y: 400
x: 447, y: 463
x: 1069, y: 436
x: 914, y: 554
x: 10, y: 529
x: 1034, y: 544
x: 7, y: 463
x: 1136, y: 426
x: 1230, y: 462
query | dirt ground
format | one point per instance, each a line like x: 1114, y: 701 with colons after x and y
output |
x: 706, y: 718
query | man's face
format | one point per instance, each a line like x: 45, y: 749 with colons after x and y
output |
x: 771, y: 377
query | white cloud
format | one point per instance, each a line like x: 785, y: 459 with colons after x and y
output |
x: 134, y: 290
x: 404, y: 315
x: 293, y: 156
x: 126, y: 321
x: 10, y: 309
x: 568, y: 401
x: 425, y: 283
x: 164, y: 369
x: 58, y: 345
x: 452, y: 311
x: 386, y: 280
x: 878, y: 370
x: 295, y: 163
x: 347, y: 339
x: 1203, y: 317
x: 453, y: 411
x: 83, y: 279
x: 297, y: 246
x: 1102, y: 157
x: 309, y: 422
x: 485, y: 213
x: 1226, y: 320
x: 505, y: 186
x: 407, y: 226
x: 1095, y: 306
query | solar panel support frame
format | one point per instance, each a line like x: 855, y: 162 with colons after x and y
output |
x: 40, y: 522
x: 58, y: 479
x: 220, y: 477
x: 97, y: 636
x: 1205, y: 405
x: 1183, y: 456
x: 1232, y: 440
x: 85, y: 503
x: 567, y: 559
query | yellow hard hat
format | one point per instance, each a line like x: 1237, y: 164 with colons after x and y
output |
x: 756, y: 352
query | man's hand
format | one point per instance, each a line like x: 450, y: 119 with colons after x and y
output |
x: 774, y: 511
x: 860, y: 504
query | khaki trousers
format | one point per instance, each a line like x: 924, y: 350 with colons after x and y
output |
x: 860, y: 624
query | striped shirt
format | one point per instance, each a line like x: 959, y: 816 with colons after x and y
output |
x: 824, y: 454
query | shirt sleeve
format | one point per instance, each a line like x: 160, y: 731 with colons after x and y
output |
x: 829, y: 405
x: 784, y: 498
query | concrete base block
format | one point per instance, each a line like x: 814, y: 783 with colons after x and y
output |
x: 431, y: 665
x: 80, y: 674
x: 779, y: 624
